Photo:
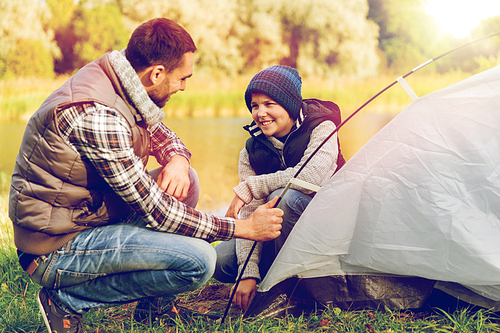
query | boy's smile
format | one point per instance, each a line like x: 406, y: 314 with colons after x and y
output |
x: 271, y: 117
x: 266, y: 122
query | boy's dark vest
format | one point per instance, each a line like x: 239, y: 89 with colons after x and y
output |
x: 265, y: 158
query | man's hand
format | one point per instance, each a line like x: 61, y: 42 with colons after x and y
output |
x: 234, y: 207
x: 263, y: 225
x: 245, y: 292
x: 174, y: 177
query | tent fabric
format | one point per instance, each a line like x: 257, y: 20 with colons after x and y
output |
x: 421, y: 198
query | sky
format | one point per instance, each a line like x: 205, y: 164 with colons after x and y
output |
x: 458, y: 17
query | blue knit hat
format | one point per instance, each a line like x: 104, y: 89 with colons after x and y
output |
x: 281, y: 83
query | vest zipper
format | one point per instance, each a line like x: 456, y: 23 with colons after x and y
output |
x: 282, y: 158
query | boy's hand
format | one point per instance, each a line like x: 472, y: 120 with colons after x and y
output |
x: 245, y: 292
x: 234, y: 207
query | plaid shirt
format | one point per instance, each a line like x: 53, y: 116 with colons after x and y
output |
x: 103, y: 137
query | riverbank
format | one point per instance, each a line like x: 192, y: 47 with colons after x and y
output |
x: 208, y: 96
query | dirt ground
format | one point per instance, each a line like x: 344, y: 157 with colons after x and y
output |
x: 212, y: 298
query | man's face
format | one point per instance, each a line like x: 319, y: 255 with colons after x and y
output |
x: 173, y: 81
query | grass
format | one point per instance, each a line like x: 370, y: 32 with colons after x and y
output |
x: 19, y: 312
x: 20, y: 97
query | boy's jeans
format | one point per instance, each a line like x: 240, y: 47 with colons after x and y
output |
x: 293, y: 205
x: 126, y: 262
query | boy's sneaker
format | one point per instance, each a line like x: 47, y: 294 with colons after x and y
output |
x: 56, y: 319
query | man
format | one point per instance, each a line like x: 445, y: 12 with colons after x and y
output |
x: 90, y: 223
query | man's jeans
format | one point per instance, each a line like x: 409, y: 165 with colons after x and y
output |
x: 126, y: 262
x: 293, y: 205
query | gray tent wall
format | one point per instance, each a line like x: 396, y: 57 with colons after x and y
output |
x: 419, y: 203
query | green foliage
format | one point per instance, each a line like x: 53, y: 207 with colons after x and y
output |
x: 96, y: 31
x: 19, y: 313
x: 29, y: 58
x: 486, y: 53
x: 212, y: 27
x: 326, y: 37
x: 234, y: 37
x: 208, y: 96
x: 317, y: 37
x: 259, y: 33
x: 18, y: 309
x: 479, y: 56
x: 4, y: 184
x: 408, y: 35
x: 62, y: 13
x: 488, y: 26
x: 27, y: 46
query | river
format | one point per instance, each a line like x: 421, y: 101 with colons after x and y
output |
x: 215, y: 144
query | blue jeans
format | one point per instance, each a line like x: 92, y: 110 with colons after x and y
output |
x: 126, y: 262
x: 293, y: 204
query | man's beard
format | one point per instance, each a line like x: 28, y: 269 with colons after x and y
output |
x: 159, y: 101
x: 160, y: 95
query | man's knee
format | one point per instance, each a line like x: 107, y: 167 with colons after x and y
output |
x: 206, y: 258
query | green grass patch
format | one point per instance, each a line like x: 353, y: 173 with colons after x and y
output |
x: 19, y: 311
x: 21, y: 97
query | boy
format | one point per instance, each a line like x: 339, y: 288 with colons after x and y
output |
x: 284, y: 133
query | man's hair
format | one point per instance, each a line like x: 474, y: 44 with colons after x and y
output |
x: 159, y: 41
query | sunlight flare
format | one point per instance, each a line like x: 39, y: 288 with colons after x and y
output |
x: 459, y: 17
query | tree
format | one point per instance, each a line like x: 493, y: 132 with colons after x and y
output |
x: 238, y: 36
x: 60, y: 22
x: 482, y: 55
x: 210, y: 23
x: 491, y: 46
x: 29, y: 58
x: 326, y: 36
x: 315, y: 36
x: 95, y: 31
x: 27, y: 46
x: 408, y: 35
x: 259, y: 32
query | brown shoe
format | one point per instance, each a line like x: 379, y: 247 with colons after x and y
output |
x: 56, y: 319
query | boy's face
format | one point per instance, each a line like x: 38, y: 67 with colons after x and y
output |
x: 271, y: 117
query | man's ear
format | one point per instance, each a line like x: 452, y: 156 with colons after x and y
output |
x: 157, y: 74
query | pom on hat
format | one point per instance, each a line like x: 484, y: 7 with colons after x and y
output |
x: 281, y: 83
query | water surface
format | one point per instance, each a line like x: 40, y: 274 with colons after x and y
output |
x: 215, y: 144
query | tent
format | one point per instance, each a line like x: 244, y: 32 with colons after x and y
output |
x: 415, y: 209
